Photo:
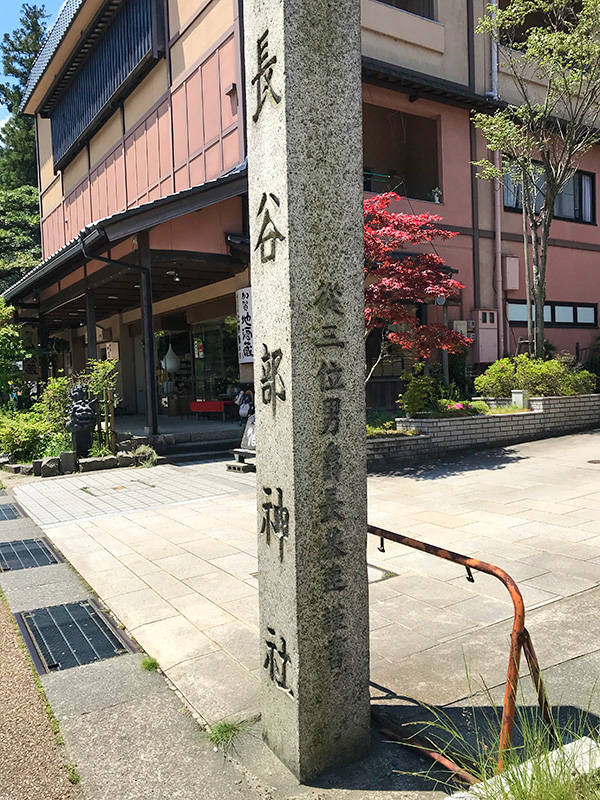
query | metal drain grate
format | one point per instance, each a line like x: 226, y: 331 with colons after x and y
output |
x: 26, y: 553
x: 9, y: 512
x: 61, y: 637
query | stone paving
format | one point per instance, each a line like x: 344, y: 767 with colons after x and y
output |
x: 172, y: 552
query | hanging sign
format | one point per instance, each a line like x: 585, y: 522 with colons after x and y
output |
x: 245, y: 339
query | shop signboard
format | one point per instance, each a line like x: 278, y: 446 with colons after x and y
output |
x: 243, y: 306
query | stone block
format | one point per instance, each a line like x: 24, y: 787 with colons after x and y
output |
x: 125, y: 459
x: 14, y: 468
x: 136, y: 441
x: 37, y: 467
x: 159, y: 443
x: 236, y: 466
x: 26, y: 469
x: 68, y: 462
x: 50, y: 467
x: 124, y: 446
x: 92, y: 464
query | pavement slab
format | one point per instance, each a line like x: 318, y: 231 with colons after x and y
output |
x: 529, y: 508
x: 28, y: 589
x: 155, y: 752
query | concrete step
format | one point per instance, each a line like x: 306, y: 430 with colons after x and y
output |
x: 199, y: 451
x: 213, y: 445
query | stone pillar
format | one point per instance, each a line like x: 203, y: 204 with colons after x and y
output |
x: 305, y: 203
x: 151, y: 428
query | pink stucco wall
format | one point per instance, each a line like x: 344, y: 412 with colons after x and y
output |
x: 150, y: 161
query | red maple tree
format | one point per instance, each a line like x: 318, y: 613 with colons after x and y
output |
x: 395, y: 281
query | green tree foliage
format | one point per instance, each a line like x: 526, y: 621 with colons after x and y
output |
x: 17, y: 137
x: 11, y: 348
x: 19, y: 233
x: 537, y: 377
x: 551, y: 50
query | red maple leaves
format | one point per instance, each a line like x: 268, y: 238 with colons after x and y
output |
x: 396, y: 281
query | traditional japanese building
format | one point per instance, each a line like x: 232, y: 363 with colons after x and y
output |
x: 139, y: 108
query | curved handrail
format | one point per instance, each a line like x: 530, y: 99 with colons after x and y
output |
x: 519, y: 638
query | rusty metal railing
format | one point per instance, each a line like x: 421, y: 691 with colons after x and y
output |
x: 520, y: 640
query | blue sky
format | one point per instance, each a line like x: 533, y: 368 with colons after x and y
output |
x: 11, y: 10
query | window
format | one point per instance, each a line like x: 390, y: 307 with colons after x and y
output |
x: 576, y: 315
x: 537, y: 19
x: 422, y: 8
x: 575, y: 202
x: 400, y: 153
x: 576, y: 199
x: 586, y: 315
x: 128, y: 45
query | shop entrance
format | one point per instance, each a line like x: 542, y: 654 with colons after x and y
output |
x: 199, y: 363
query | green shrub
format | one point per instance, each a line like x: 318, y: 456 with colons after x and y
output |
x: 498, y: 380
x: 420, y: 395
x: 538, y: 378
x: 24, y: 436
x: 57, y: 443
x: 462, y: 408
x: 145, y: 456
x: 55, y: 402
x: 480, y: 407
x: 376, y: 419
x: 99, y: 450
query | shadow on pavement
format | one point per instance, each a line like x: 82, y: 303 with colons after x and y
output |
x: 455, y: 464
x: 467, y: 734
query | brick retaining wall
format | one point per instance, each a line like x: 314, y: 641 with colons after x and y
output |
x: 549, y: 416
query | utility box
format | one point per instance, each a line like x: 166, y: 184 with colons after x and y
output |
x: 486, y: 335
x: 461, y: 326
x: 510, y: 268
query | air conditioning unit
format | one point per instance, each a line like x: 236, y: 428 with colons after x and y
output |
x: 461, y: 326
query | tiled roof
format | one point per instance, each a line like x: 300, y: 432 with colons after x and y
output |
x: 66, y: 15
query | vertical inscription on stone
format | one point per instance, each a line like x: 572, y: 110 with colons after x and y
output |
x: 264, y: 75
x: 268, y: 235
x: 277, y: 661
x: 303, y: 96
x: 272, y: 386
x: 276, y: 518
x: 330, y: 376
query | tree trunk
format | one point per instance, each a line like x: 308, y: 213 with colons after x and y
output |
x: 382, y: 352
x: 539, y: 298
x: 539, y: 289
x: 528, y: 297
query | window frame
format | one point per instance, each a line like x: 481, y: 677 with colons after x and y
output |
x: 552, y: 304
x: 518, y: 209
x: 62, y: 157
x: 433, y: 17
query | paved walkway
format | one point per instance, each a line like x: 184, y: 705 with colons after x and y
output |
x: 172, y: 552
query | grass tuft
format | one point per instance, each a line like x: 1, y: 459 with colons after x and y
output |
x: 536, y: 767
x: 72, y: 774
x: 222, y: 734
x: 149, y: 664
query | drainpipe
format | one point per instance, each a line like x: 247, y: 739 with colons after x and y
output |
x: 498, y: 195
